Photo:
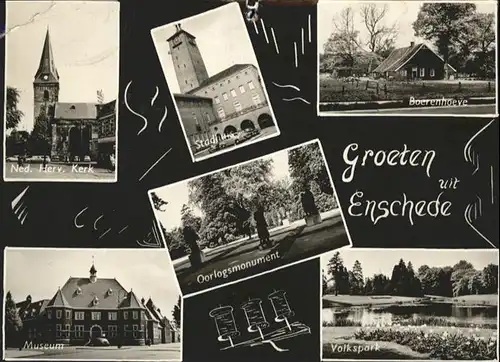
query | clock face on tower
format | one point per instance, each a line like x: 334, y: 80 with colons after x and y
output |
x: 45, y: 77
x: 177, y: 41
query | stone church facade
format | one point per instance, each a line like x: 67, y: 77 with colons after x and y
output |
x: 75, y: 127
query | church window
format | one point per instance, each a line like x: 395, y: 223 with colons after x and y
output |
x: 49, y: 314
x: 242, y: 89
x: 112, y: 316
x: 233, y: 93
x: 221, y: 113
x: 237, y: 106
x: 224, y: 95
x: 125, y: 315
x: 135, y: 314
x: 217, y: 100
x: 251, y: 85
x: 256, y: 99
x: 79, y: 316
x: 46, y: 95
x: 68, y: 314
x: 96, y: 316
x: 58, y: 314
x: 79, y: 331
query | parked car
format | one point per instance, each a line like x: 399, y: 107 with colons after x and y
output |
x: 37, y: 159
x: 244, y: 135
x: 12, y: 158
x: 99, y: 342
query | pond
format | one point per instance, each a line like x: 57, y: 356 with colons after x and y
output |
x: 365, y: 316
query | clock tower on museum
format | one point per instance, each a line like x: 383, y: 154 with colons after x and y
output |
x: 46, y: 83
x: 188, y: 63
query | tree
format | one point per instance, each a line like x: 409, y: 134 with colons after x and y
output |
x: 13, y: 323
x: 13, y: 114
x: 344, y: 41
x: 41, y: 134
x: 189, y: 219
x: 158, y: 202
x: 339, y: 274
x: 444, y: 24
x: 381, y: 38
x: 460, y: 277
x: 356, y: 280
x: 306, y: 164
x: 482, y: 29
x: 176, y: 313
x: 324, y: 283
x: 489, y: 278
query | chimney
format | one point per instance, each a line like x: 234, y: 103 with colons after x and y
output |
x: 412, y: 44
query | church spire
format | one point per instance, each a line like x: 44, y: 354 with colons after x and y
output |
x: 47, y: 71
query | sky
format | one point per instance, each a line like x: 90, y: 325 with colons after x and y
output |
x: 85, y: 44
x: 39, y: 272
x: 375, y: 261
x: 403, y: 13
x: 221, y: 35
x: 178, y: 194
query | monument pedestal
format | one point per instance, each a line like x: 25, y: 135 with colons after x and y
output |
x: 313, y: 220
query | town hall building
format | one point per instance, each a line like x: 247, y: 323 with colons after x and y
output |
x: 227, y: 102
x: 78, y: 129
x: 89, y: 307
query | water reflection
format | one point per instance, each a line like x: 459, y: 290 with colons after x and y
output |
x: 363, y: 316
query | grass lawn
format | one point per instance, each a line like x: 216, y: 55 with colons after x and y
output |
x: 336, y: 90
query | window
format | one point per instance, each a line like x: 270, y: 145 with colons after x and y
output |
x: 135, y: 328
x: 414, y: 69
x: 58, y: 330
x: 125, y: 315
x: 46, y: 95
x: 67, y: 330
x: 432, y: 72
x: 58, y: 314
x: 224, y: 95
x: 125, y: 330
x: 79, y: 316
x: 112, y: 331
x: 68, y: 314
x: 256, y: 99
x: 217, y: 100
x: 135, y: 314
x: 221, y: 113
x: 112, y: 316
x: 79, y: 331
x: 242, y: 89
x: 250, y: 85
x: 49, y: 314
x: 237, y: 106
x: 233, y: 93
x: 96, y: 316
x: 422, y: 72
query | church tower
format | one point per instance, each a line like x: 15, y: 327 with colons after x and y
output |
x: 188, y: 63
x: 46, y: 83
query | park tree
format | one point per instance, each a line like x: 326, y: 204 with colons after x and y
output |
x: 306, y: 164
x: 475, y: 286
x: 189, y: 219
x: 443, y: 24
x: 460, y: 277
x: 324, y: 284
x: 344, y: 41
x: 13, y: 322
x: 356, y: 280
x: 158, y: 203
x: 381, y: 35
x: 339, y: 274
x: 489, y: 279
x: 482, y: 34
x: 381, y: 284
x: 176, y: 313
x: 13, y: 114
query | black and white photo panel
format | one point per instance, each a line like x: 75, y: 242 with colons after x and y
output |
x: 61, y: 79
x: 407, y: 58
x: 424, y: 304
x: 263, y: 319
x: 253, y: 217
x: 215, y: 81
x: 90, y: 304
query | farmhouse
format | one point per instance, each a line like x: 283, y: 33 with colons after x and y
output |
x: 415, y: 62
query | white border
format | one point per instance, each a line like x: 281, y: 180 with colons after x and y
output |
x: 33, y: 358
x: 241, y: 164
x: 380, y: 112
x: 264, y: 89
x: 117, y: 107
x: 392, y: 249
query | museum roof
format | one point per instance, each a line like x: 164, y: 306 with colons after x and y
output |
x: 221, y: 75
x: 401, y: 56
x: 27, y: 309
x: 73, y: 111
x: 58, y: 300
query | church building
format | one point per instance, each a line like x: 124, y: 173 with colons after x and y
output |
x: 89, y: 307
x: 75, y: 127
x: 227, y: 102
